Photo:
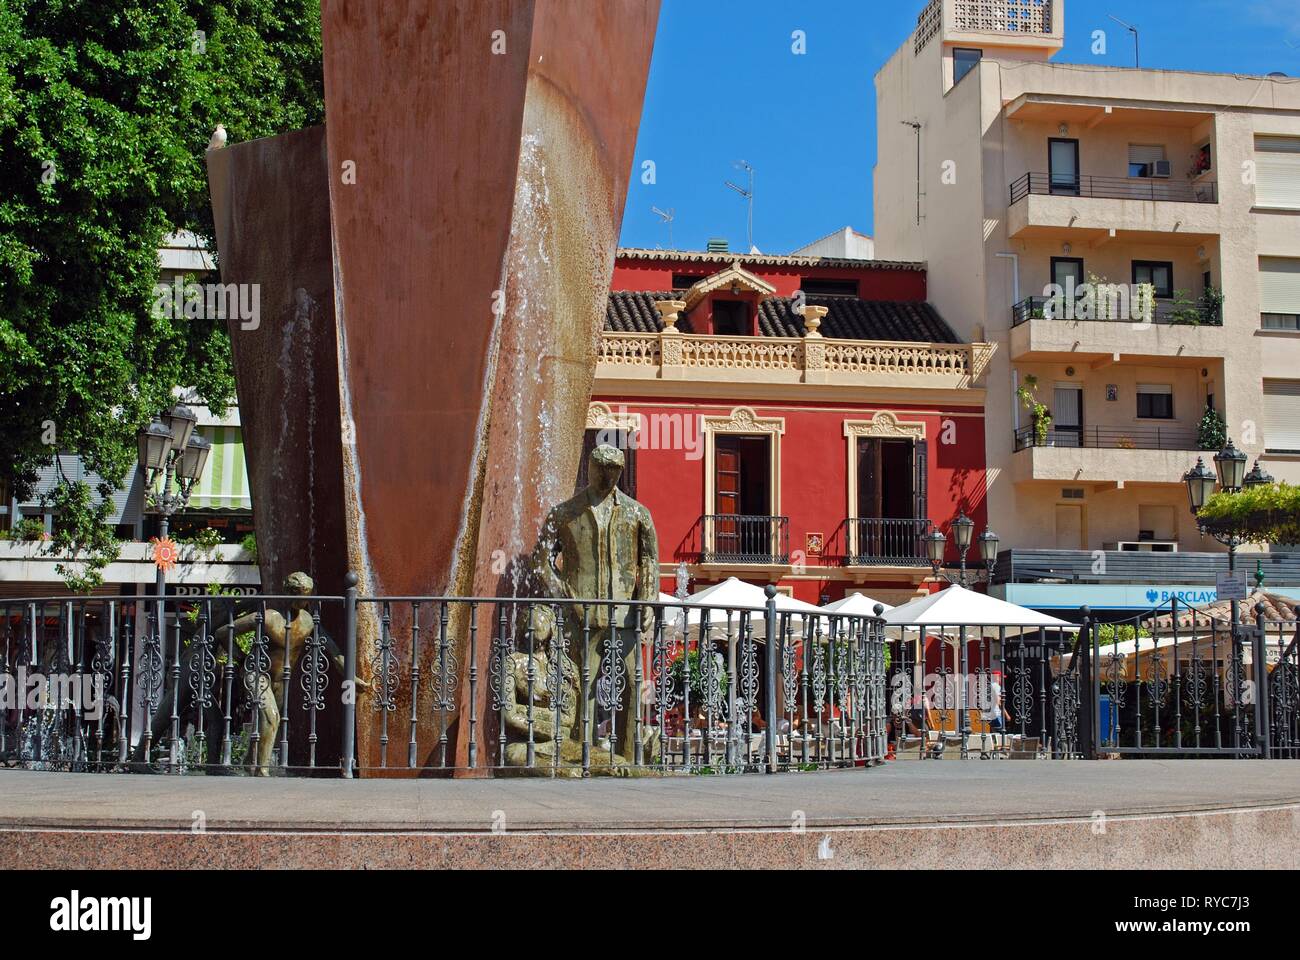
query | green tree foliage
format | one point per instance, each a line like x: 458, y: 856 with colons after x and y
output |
x: 1265, y: 514
x: 106, y: 109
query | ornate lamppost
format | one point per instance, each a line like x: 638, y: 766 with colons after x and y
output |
x: 936, y: 545
x: 1231, y: 477
x: 169, y: 448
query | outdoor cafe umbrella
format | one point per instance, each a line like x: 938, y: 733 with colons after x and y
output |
x: 738, y: 595
x: 956, y: 606
x: 855, y: 604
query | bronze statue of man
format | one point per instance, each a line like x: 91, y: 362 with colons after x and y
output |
x: 607, y: 549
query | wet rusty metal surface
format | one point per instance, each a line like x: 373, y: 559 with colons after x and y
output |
x: 270, y: 206
x: 587, y: 75
x: 474, y: 204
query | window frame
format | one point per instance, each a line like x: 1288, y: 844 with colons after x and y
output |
x: 958, y: 78
x: 1150, y: 265
x: 1167, y: 390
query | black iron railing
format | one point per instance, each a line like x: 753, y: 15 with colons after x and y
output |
x: 1115, y: 188
x: 537, y: 686
x: 736, y: 538
x: 1110, y: 438
x: 1185, y: 681
x: 882, y: 542
x: 1170, y: 682
x: 1164, y: 312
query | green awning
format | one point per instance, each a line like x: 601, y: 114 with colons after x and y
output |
x: 224, y: 484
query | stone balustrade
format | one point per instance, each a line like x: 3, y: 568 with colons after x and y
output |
x: 672, y: 355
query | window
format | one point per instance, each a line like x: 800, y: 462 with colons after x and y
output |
x: 1066, y: 271
x: 1277, y: 172
x: 1279, y: 293
x: 1142, y: 159
x: 1282, y: 416
x: 814, y: 287
x: 964, y: 60
x: 1155, y: 401
x: 1160, y: 274
x: 1063, y: 167
x: 731, y: 318
x: 684, y: 281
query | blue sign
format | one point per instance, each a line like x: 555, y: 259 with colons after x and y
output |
x: 1120, y: 596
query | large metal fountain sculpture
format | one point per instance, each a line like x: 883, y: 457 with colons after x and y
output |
x: 433, y: 267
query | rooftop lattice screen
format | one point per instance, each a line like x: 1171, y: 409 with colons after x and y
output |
x: 927, y: 24
x: 1004, y: 16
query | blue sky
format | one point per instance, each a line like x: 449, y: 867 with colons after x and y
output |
x: 725, y: 86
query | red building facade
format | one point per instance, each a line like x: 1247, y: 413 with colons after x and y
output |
x: 794, y: 420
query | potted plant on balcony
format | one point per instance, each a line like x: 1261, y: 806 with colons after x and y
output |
x: 1185, y: 311
x: 1039, y: 415
x: 1212, y: 305
x: 1212, y: 432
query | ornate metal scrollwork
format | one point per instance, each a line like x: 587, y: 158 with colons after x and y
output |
x: 315, y: 676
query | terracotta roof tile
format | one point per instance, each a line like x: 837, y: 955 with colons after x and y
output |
x: 848, y: 318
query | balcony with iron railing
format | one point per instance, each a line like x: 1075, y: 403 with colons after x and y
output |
x: 882, y: 542
x: 1080, y: 208
x: 1114, y: 188
x: 1104, y: 454
x: 1173, y: 437
x: 732, y: 538
x: 1164, y: 311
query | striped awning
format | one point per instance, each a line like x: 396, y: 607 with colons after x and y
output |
x: 224, y: 484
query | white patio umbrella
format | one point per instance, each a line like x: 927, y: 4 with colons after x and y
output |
x: 855, y: 604
x: 736, y: 593
x: 956, y: 606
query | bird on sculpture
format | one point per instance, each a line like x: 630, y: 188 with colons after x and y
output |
x: 218, y: 138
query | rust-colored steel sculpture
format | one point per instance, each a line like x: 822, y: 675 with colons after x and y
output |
x: 477, y: 157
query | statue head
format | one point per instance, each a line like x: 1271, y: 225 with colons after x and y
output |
x: 299, y: 585
x: 604, y: 467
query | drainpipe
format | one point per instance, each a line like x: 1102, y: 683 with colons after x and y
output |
x: 1015, y: 298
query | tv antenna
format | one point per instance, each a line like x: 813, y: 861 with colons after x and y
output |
x: 748, y: 195
x: 1137, y: 47
x: 667, y: 217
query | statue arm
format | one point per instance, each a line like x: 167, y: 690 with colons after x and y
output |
x: 245, y: 624
x: 648, y: 551
x: 647, y: 587
x: 548, y: 545
x: 336, y: 655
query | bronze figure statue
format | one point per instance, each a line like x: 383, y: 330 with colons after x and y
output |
x: 607, y: 550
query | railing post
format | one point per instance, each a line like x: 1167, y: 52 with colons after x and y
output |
x: 1089, y: 699
x: 769, y: 695
x: 346, y: 759
x: 1262, y: 705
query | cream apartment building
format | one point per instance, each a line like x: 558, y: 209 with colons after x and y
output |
x: 1005, y: 171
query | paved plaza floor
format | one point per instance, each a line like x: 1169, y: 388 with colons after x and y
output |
x: 965, y: 793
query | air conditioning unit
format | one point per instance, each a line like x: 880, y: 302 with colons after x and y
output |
x: 1143, y: 546
x: 1161, y: 169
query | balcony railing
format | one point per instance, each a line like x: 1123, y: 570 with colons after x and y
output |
x: 1115, y: 188
x: 1166, y: 312
x: 885, y: 542
x: 674, y: 355
x: 735, y: 538
x: 1111, y: 438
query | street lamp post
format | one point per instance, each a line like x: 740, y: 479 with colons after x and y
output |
x: 169, y: 448
x: 936, y: 545
x: 1231, y: 476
